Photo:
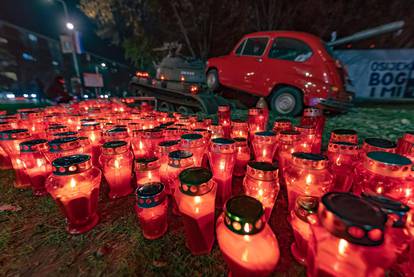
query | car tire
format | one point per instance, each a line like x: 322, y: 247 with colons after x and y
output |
x: 212, y: 80
x: 286, y: 101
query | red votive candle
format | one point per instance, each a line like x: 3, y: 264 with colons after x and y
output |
x: 343, y: 158
x: 35, y: 124
x: 196, y: 144
x: 177, y: 161
x: 282, y: 124
x: 147, y: 170
x: 224, y: 119
x: 54, y: 129
x: 247, y: 243
x: 216, y: 131
x: 307, y: 175
x: 242, y: 156
x: 405, y: 143
x: 309, y: 141
x: 222, y: 157
x: 151, y: 210
x: 116, y: 133
x: 313, y: 117
x: 36, y: 167
x: 240, y: 129
x: 195, y: 199
x: 378, y: 144
x: 63, y: 147
x: 349, y: 238
x: 344, y: 135
x: 10, y: 142
x: 151, y: 138
x: 264, y: 146
x: 387, y: 174
x: 74, y: 185
x: 262, y: 182
x: 304, y: 214
x: 5, y: 162
x: 165, y: 148
x: 257, y: 120
x: 93, y: 131
x: 172, y: 133
x: 288, y: 144
x: 117, y: 162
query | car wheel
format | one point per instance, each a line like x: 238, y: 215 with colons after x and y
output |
x: 166, y: 107
x: 184, y: 110
x: 213, y: 82
x: 286, y: 101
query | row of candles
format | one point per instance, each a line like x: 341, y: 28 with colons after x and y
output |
x: 189, y: 164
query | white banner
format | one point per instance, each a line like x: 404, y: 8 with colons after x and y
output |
x: 380, y: 74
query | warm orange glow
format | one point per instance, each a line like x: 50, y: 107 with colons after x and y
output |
x: 72, y: 183
x: 342, y: 246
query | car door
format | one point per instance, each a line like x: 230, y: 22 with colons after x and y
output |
x: 247, y: 64
x: 229, y: 75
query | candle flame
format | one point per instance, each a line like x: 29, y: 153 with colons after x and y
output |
x: 379, y: 190
x: 39, y: 162
x: 116, y: 163
x: 92, y: 137
x: 72, y: 183
x: 197, y: 199
x: 308, y: 179
x: 140, y: 145
x: 222, y: 165
x: 342, y: 246
x: 407, y: 192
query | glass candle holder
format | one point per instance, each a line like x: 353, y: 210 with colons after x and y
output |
x: 313, y: 117
x: 116, y: 133
x: 65, y: 146
x: 247, y: 243
x: 35, y: 124
x: 282, y: 124
x: 117, y: 162
x: 196, y: 144
x: 195, y: 200
x: 257, y: 119
x: 242, y: 156
x: 147, y: 170
x: 54, y: 129
x: 74, y: 185
x: 224, y: 119
x: 405, y: 143
x: 262, y: 182
x: 240, y: 129
x: 151, y: 138
x: 172, y: 133
x: 288, y: 144
x: 343, y: 158
x: 304, y: 214
x: 93, y: 131
x: 309, y: 141
x: 5, y: 162
x: 36, y: 167
x: 378, y: 144
x: 387, y: 174
x: 66, y: 134
x: 264, y: 146
x: 151, y: 210
x: 344, y: 135
x: 216, y: 131
x: 10, y: 142
x: 307, y: 175
x: 177, y: 162
x: 349, y: 238
x: 222, y: 157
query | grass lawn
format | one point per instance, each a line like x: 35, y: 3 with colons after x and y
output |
x: 34, y: 241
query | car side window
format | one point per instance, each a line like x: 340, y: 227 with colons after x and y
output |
x: 240, y: 48
x: 290, y: 49
x: 254, y: 46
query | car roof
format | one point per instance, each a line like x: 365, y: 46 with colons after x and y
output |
x: 293, y: 34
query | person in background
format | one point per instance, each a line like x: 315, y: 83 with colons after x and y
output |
x: 57, y: 92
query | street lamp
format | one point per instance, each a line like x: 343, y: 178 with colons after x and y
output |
x: 70, y: 26
x: 103, y: 65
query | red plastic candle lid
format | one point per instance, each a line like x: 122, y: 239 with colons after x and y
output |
x: 305, y: 129
x: 244, y: 215
x: 343, y: 147
x: 223, y: 145
x: 114, y: 147
x: 309, y: 160
x: 34, y: 145
x: 344, y: 135
x: 147, y: 163
x: 192, y: 140
x: 196, y: 181
x: 282, y: 124
x: 13, y: 134
x: 180, y: 158
x: 352, y: 218
x: 289, y: 136
x: 64, y: 144
x: 263, y: 171
x: 372, y: 144
x: 72, y: 164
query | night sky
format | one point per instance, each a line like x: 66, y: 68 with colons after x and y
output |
x: 47, y: 18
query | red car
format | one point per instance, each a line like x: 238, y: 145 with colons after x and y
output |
x: 290, y: 69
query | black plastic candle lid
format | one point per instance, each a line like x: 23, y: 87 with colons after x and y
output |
x: 146, y: 160
x: 168, y: 143
x: 117, y: 130
x: 240, y: 139
x: 265, y: 134
x: 13, y: 134
x: 352, y: 218
x: 166, y: 124
x: 32, y: 145
x: 290, y: 133
x: 55, y: 145
x: 56, y: 127
x: 180, y: 154
x: 309, y: 156
x: 194, y: 181
x: 389, y: 158
x: 66, y: 134
x: 222, y: 141
x: 150, y: 195
x: 262, y: 166
x: 243, y: 215
x: 305, y: 206
x: 191, y: 136
x: 348, y: 132
x: 282, y: 120
x: 380, y: 142
x: 72, y: 164
x: 390, y: 207
x: 114, y: 144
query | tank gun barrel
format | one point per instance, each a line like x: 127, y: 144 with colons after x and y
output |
x: 383, y: 29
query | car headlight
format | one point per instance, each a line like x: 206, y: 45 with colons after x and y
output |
x: 33, y: 95
x: 10, y: 96
x: 25, y: 95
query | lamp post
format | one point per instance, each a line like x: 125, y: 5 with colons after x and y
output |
x: 71, y: 28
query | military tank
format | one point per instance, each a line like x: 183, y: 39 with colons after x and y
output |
x: 180, y: 83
